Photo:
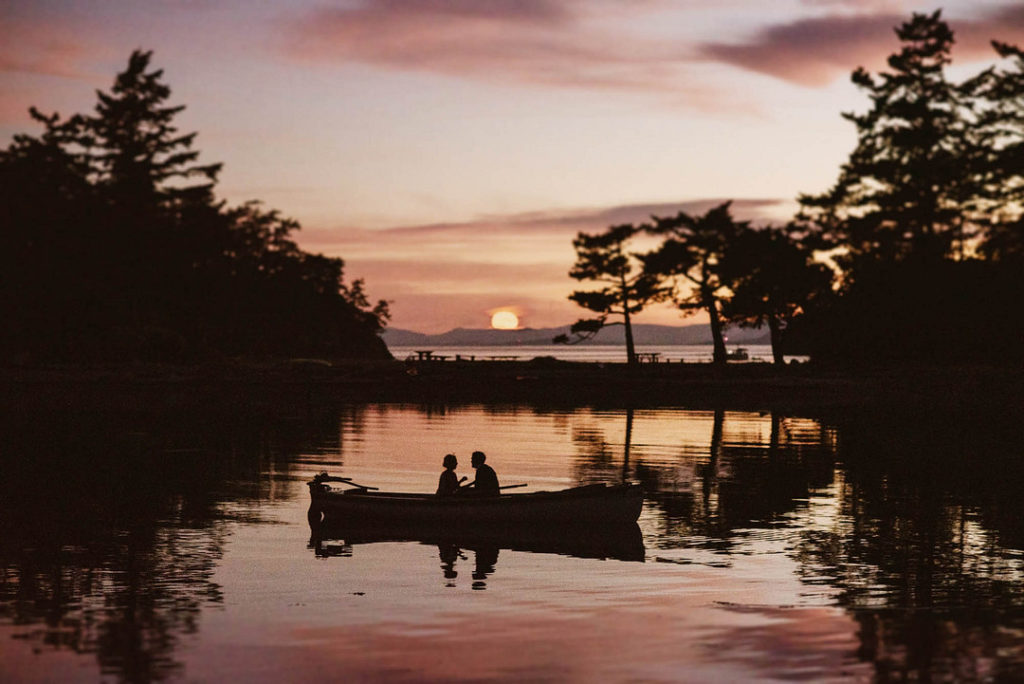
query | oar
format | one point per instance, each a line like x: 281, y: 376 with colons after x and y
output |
x: 522, y: 484
x: 348, y: 481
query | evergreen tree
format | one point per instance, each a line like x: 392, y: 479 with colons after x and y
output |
x: 999, y: 132
x: 49, y: 289
x: 936, y: 179
x: 628, y: 286
x: 139, y: 154
x: 691, y: 256
x: 906, y: 187
x: 773, y: 278
x: 115, y: 247
x: 164, y: 221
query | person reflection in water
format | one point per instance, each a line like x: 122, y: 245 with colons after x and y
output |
x: 449, y: 554
x: 486, y: 482
x: 486, y: 559
x: 448, y: 483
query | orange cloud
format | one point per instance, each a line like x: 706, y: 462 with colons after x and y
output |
x: 442, y: 276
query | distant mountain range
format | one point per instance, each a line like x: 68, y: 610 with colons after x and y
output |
x: 655, y: 335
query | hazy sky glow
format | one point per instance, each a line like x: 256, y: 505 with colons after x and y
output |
x: 450, y: 149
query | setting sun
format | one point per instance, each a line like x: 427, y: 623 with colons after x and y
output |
x: 504, y: 320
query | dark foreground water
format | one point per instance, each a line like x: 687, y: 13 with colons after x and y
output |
x: 158, y: 543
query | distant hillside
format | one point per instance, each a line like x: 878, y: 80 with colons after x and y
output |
x: 655, y: 335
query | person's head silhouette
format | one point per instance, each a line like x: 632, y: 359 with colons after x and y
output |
x: 478, y: 458
x: 450, y: 461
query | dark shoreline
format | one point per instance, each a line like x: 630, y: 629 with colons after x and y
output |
x: 760, y: 387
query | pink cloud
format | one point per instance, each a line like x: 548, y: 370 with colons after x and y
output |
x: 563, y: 43
x: 812, y: 52
x: 573, y: 43
x: 558, y: 223
x: 817, y: 51
x: 860, y: 5
x: 464, y: 273
x: 38, y: 45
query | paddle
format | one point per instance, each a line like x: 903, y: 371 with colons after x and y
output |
x: 522, y: 484
x: 324, y: 477
x: 356, y: 484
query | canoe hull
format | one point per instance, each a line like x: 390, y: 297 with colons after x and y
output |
x: 592, y: 504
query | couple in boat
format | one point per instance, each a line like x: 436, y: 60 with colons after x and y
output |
x: 485, y: 484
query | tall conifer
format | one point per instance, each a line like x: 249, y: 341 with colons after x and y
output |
x: 904, y: 189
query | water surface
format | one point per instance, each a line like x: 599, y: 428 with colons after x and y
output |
x: 595, y: 353
x: 173, y: 544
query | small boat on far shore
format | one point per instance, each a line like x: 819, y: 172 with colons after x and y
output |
x: 585, y: 505
x: 738, y: 354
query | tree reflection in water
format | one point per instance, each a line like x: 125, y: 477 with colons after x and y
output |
x: 923, y: 546
x: 926, y: 549
x: 113, y: 522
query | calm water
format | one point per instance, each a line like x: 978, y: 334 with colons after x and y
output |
x: 695, y: 353
x: 173, y: 544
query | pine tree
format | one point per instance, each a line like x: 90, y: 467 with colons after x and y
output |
x: 999, y: 135
x: 773, y: 278
x: 905, y: 188
x: 117, y: 248
x: 139, y: 154
x: 628, y: 286
x: 692, y: 255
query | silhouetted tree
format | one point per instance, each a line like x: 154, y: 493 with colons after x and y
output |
x: 998, y: 99
x: 691, y: 256
x: 114, y: 246
x: 773, y: 277
x: 278, y: 297
x: 936, y: 180
x: 139, y: 154
x: 906, y: 187
x: 47, y: 210
x: 628, y: 287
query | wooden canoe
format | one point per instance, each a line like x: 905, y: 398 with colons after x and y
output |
x: 589, y: 504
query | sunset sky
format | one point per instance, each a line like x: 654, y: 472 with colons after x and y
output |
x: 449, y: 150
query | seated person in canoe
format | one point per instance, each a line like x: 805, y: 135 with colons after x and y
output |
x: 486, y: 482
x: 448, y: 483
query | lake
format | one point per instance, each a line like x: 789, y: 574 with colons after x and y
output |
x: 169, y: 540
x: 603, y: 353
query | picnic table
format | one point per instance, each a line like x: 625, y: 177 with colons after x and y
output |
x: 428, y: 355
x: 648, y: 357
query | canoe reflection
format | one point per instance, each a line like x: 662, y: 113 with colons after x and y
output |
x: 617, y: 542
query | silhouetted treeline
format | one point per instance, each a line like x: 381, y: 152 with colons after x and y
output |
x: 114, y: 247
x: 925, y: 218
x: 923, y: 230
